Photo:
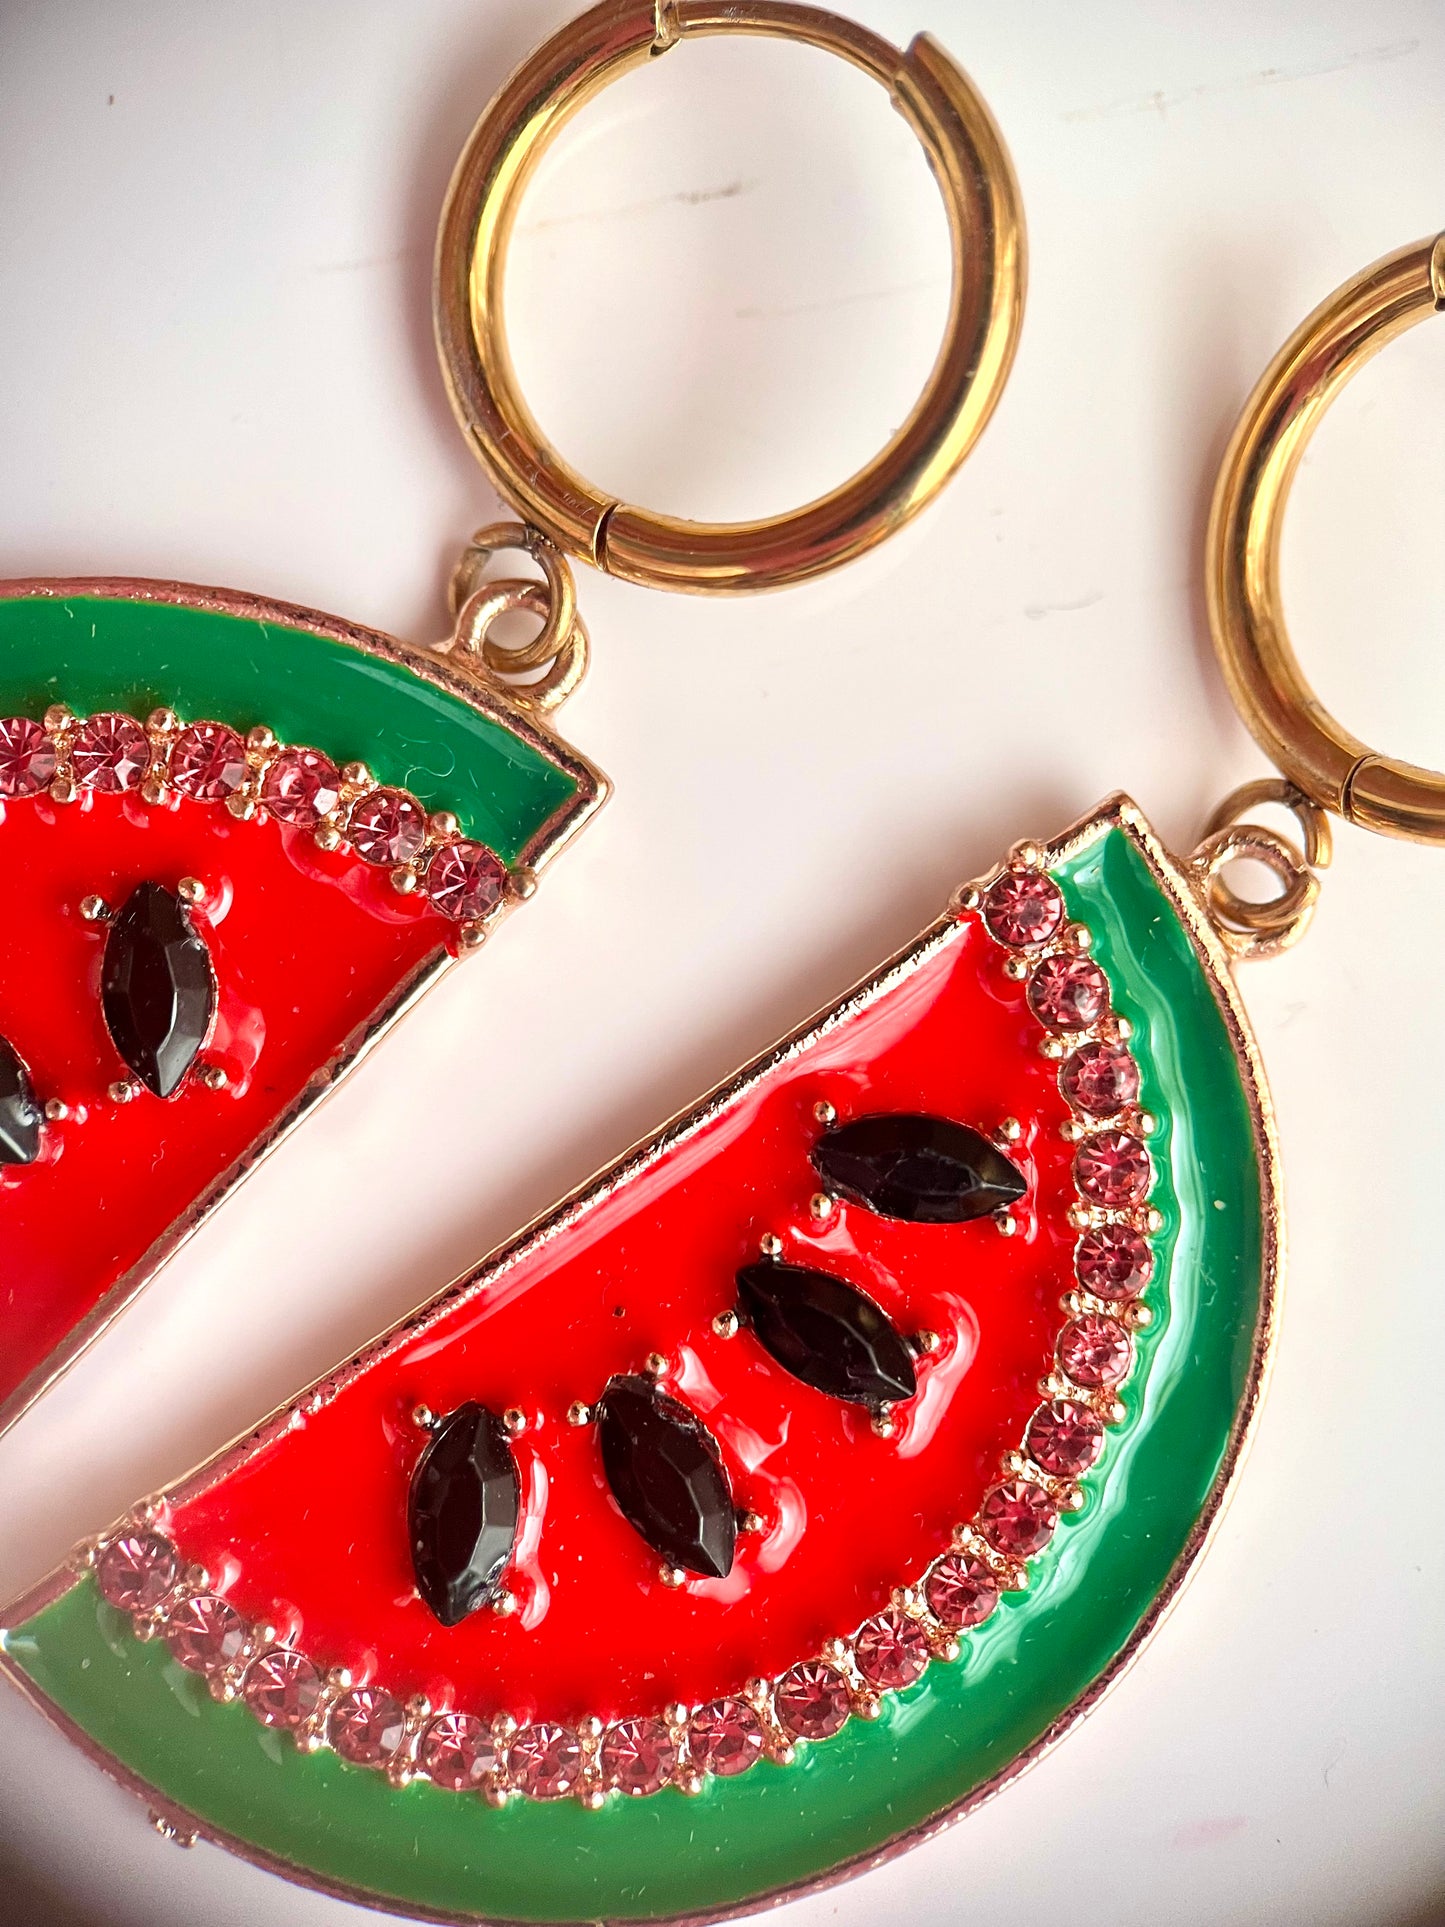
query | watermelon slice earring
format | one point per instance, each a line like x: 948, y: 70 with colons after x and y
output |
x: 922, y: 1353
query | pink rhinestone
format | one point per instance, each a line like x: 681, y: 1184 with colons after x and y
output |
x: 1064, y: 1438
x: 725, y: 1738
x: 465, y: 881
x: 367, y: 1726
x: 1101, y: 1079
x: 301, y: 786
x: 1113, y: 1262
x: 456, y: 1752
x: 1068, y: 993
x: 387, y: 827
x: 1023, y: 907
x: 27, y: 757
x: 1095, y: 1350
x: 110, y: 753
x: 638, y: 1756
x: 1018, y: 1518
x: 891, y: 1650
x: 811, y: 1700
x: 136, y: 1571
x: 1112, y: 1168
x: 208, y: 762
x: 282, y: 1687
x: 961, y: 1590
x: 205, y: 1633
x: 545, y: 1760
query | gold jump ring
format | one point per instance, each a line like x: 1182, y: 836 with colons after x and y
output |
x: 566, y: 665
x: 559, y: 618
x: 1250, y: 929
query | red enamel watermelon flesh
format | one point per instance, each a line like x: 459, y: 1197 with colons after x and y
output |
x: 313, y: 949
x: 922, y: 1593
x: 646, y: 1271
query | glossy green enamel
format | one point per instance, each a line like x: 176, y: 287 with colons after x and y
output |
x: 424, y: 1849
x: 96, y: 652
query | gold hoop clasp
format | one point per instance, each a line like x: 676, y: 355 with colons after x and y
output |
x: 985, y: 219
x: 1320, y: 757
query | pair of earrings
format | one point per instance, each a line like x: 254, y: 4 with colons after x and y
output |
x: 1091, y: 977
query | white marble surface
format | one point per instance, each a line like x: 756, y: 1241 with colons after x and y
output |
x: 215, y: 363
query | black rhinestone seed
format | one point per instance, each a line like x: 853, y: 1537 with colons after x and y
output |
x: 462, y: 1513
x: 827, y: 1333
x: 666, y: 1474
x: 20, y: 1112
x: 158, y: 993
x: 925, y: 1170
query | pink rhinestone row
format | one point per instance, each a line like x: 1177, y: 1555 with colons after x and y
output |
x: 140, y: 1572
x: 1068, y: 992
x: 110, y: 754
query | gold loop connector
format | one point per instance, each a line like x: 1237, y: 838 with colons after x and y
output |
x: 560, y: 646
x: 985, y: 219
x: 1314, y: 825
x: 1262, y: 929
x: 1319, y: 756
x: 560, y: 614
x: 473, y: 644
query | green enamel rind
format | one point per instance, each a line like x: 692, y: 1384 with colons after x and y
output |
x: 421, y: 1849
x: 99, y: 652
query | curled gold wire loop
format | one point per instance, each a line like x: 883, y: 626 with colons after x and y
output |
x: 1315, y: 833
x: 981, y: 199
x: 564, y: 669
x: 559, y: 618
x: 1321, y: 757
x: 1252, y: 929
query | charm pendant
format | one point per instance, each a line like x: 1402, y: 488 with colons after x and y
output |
x: 238, y: 840
x: 775, y: 1498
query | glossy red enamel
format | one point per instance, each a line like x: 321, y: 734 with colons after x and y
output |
x: 313, y: 1523
x: 307, y: 947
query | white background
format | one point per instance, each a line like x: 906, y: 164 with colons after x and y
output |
x: 215, y: 363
